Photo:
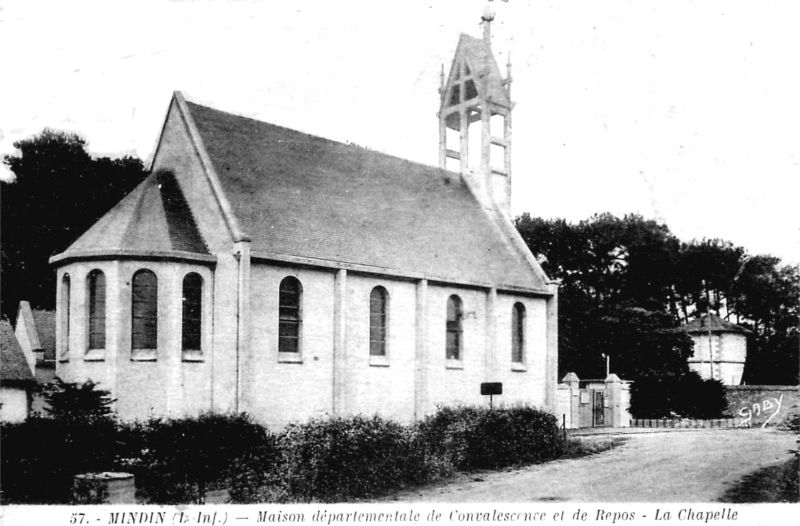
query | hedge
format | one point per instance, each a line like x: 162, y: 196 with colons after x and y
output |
x: 179, y: 460
x: 468, y: 438
x: 687, y: 396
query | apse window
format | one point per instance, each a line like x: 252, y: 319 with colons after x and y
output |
x: 144, y: 314
x: 192, y: 316
x: 96, y: 291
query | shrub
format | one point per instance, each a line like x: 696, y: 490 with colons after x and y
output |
x: 344, y: 458
x: 685, y: 395
x: 468, y: 438
x: 78, y: 402
x: 42, y: 455
x: 178, y: 461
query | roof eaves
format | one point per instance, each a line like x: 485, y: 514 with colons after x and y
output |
x: 269, y: 257
x: 155, y: 255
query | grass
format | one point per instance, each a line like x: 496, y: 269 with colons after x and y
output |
x: 582, y: 447
x: 574, y: 448
x: 771, y: 484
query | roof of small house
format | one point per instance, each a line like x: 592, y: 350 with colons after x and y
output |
x: 713, y: 323
x: 297, y: 195
x: 46, y: 329
x: 40, y: 326
x: 13, y: 366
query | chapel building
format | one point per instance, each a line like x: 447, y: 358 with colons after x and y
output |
x: 264, y: 270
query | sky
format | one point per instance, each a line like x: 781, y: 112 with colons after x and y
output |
x: 684, y: 112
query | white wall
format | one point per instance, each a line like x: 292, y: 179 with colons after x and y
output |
x: 13, y: 404
x: 277, y: 390
x: 375, y: 385
x: 728, y: 353
x: 169, y: 383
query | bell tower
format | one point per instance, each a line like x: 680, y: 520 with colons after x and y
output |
x: 475, y: 120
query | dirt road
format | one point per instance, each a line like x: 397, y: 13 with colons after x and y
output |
x: 686, y: 466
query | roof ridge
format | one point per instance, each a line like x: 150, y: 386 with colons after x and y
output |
x: 445, y: 173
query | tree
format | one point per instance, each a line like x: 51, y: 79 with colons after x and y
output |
x: 82, y: 403
x: 615, y: 293
x: 626, y: 284
x: 59, y: 191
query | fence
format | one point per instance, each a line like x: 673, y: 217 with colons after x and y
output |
x: 685, y: 423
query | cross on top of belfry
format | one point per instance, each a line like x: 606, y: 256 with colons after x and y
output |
x: 486, y: 21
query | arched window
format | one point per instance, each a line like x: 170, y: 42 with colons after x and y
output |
x: 378, y: 321
x: 96, y: 283
x: 144, y: 310
x: 192, y: 312
x: 65, y: 300
x: 518, y: 333
x: 454, y: 339
x: 290, y: 315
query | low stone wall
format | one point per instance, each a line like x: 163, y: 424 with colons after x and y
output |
x: 762, y: 405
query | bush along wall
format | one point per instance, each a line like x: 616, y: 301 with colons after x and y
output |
x: 468, y: 438
x: 345, y: 458
x: 338, y: 459
x: 180, y: 460
x: 687, y: 396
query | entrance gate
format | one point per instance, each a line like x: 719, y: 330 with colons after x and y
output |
x: 598, y: 409
x: 593, y: 403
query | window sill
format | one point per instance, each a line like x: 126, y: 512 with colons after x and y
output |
x: 192, y: 356
x: 519, y: 367
x: 454, y: 364
x: 143, y: 355
x: 378, y: 361
x: 290, y: 357
x: 95, y: 355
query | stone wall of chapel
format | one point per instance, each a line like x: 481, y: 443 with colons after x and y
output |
x: 283, y: 389
x: 381, y: 385
x: 167, y: 383
x: 526, y: 384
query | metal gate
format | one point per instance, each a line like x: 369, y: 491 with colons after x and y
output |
x: 598, y: 409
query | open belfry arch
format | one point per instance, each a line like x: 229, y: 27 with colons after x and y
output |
x: 475, y: 119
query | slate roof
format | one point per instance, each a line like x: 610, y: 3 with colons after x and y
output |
x: 481, y: 62
x: 717, y: 324
x: 153, y: 218
x: 301, y: 195
x: 45, y: 321
x: 14, y: 368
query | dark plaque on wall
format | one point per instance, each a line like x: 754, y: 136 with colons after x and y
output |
x: 492, y: 388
